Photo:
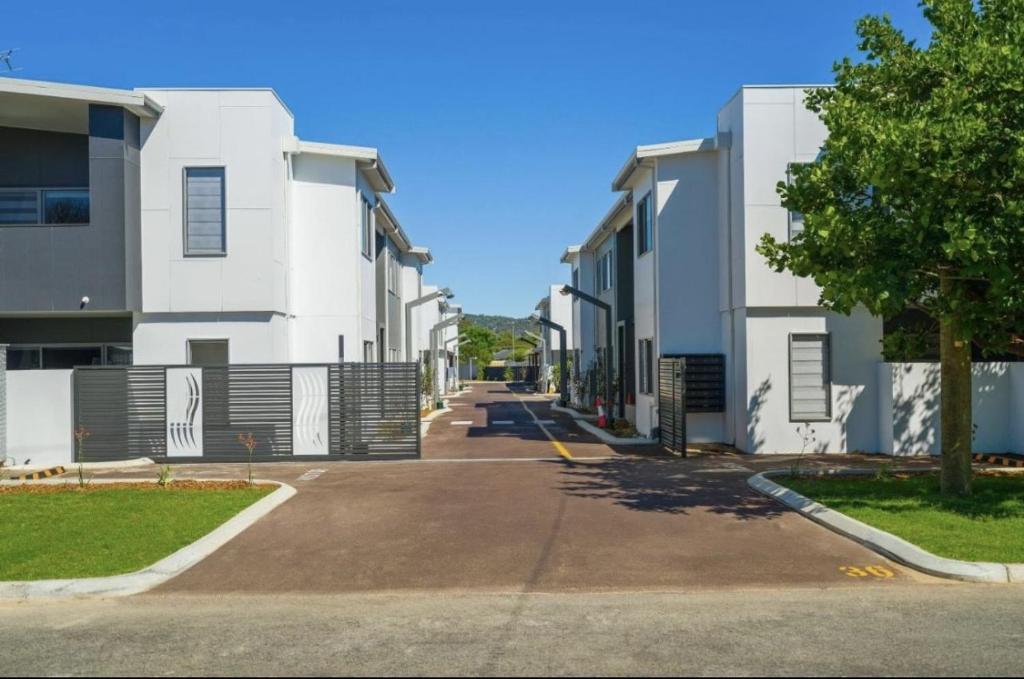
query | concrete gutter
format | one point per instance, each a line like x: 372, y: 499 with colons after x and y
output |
x: 880, y: 541
x: 612, y: 439
x: 575, y: 414
x: 160, y: 572
x: 433, y: 415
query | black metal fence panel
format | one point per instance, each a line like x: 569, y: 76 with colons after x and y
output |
x: 672, y: 404
x: 187, y: 413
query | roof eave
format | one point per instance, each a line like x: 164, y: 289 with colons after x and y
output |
x: 137, y: 102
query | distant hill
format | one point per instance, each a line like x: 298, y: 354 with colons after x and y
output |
x: 502, y: 323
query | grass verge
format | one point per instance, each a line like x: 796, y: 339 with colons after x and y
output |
x: 65, y: 532
x: 984, y: 527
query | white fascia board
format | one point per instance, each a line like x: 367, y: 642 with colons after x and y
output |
x: 672, y: 148
x: 423, y: 253
x: 222, y: 89
x: 135, y: 101
x: 605, y: 227
x: 368, y: 159
x: 391, y: 225
x: 570, y: 254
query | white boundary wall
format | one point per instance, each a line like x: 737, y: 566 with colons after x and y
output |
x: 40, y: 421
x: 910, y: 399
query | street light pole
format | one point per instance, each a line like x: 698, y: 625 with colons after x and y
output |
x: 579, y: 294
x: 563, y: 377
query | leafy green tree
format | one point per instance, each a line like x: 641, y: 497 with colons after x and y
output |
x: 481, y: 343
x: 917, y: 199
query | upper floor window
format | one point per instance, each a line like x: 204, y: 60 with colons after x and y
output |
x: 30, y: 207
x: 576, y: 277
x: 644, y: 226
x: 208, y: 352
x: 394, y: 273
x: 205, y: 223
x: 366, y: 227
x: 604, y: 272
x: 796, y: 219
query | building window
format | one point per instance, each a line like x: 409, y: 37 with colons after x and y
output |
x: 341, y: 348
x: 796, y: 219
x: 576, y: 277
x: 646, y: 372
x: 31, y: 207
x: 644, y: 226
x: 205, y: 221
x: 207, y: 352
x: 810, y: 378
x: 604, y: 272
x: 394, y: 269
x: 366, y: 227
x: 66, y: 356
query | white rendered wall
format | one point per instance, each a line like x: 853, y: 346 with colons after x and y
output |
x: 777, y: 131
x: 325, y: 256
x: 689, y: 320
x: 162, y: 339
x: 39, y: 417
x: 561, y: 313
x: 909, y: 411
x: 646, y: 296
x: 243, y: 131
x: 855, y: 354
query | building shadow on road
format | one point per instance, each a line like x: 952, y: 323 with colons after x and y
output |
x: 666, y: 486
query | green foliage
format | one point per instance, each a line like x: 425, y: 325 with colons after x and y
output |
x: 922, y: 175
x: 509, y: 375
x: 481, y: 343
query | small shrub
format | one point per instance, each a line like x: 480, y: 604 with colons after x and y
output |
x: 164, y: 479
x: 81, y: 434
x: 249, y: 441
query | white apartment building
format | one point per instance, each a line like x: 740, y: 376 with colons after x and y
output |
x: 557, y: 308
x: 191, y: 226
x: 675, y: 259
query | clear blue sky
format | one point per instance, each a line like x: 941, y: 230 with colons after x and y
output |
x: 503, y: 125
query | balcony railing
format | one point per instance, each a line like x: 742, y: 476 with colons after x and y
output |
x: 50, y: 206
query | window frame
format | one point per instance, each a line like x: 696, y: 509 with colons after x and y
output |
x: 605, y: 281
x: 644, y: 234
x: 206, y: 340
x: 39, y: 348
x: 186, y: 252
x: 40, y: 193
x: 366, y: 229
x: 645, y: 367
x: 826, y: 374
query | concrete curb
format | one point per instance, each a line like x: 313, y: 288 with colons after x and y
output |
x: 163, y: 570
x: 884, y: 543
x: 425, y: 422
x: 575, y: 414
x: 611, y: 439
x: 88, y: 466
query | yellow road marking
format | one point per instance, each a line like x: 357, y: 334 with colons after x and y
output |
x: 559, y: 446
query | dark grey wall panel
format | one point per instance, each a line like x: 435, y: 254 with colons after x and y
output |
x: 50, y: 268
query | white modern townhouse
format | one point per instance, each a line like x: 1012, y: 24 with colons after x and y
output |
x: 192, y: 227
x: 770, y: 370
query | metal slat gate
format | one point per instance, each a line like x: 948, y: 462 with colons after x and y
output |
x: 672, y: 403
x: 293, y: 411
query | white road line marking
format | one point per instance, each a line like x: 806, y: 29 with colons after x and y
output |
x: 462, y: 422
x: 311, y: 475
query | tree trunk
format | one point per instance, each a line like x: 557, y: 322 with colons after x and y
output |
x: 955, y: 411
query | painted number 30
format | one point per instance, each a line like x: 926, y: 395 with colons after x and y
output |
x: 867, y: 572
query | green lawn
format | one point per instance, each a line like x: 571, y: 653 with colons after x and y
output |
x: 107, y: 531
x: 988, y: 526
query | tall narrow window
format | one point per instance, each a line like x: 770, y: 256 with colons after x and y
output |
x: 644, y: 226
x: 576, y: 277
x: 341, y: 348
x: 796, y: 219
x: 366, y: 227
x: 604, y: 272
x: 646, y: 359
x: 204, y: 211
x: 810, y: 379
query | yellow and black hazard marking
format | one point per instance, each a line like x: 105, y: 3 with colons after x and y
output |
x: 1002, y: 460
x: 41, y: 474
